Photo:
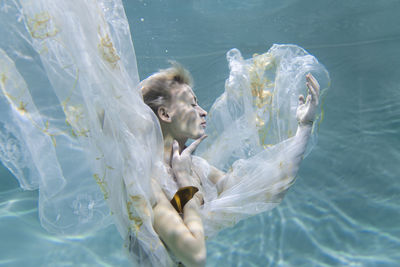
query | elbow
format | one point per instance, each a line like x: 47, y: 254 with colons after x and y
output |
x: 194, y: 256
x: 193, y: 253
x: 197, y: 259
x: 200, y: 258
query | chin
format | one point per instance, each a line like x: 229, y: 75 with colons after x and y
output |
x: 198, y: 134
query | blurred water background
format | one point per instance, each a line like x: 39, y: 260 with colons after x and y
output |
x: 344, y: 209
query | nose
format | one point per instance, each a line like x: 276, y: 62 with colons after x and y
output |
x: 202, y: 112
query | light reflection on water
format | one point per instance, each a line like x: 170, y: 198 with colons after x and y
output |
x: 343, y: 209
x: 25, y: 243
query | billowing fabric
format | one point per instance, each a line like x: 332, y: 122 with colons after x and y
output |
x: 251, y: 131
x: 73, y: 124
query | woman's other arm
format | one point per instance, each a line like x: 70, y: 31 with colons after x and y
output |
x: 184, y: 237
x: 305, y: 116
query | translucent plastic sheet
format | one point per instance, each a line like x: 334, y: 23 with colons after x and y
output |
x: 74, y: 125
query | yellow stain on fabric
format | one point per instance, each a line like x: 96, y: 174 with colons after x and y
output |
x: 140, y: 204
x: 102, y: 184
x: 41, y: 26
x: 3, y: 78
x: 21, y: 107
x: 73, y: 118
x: 261, y: 87
x: 9, y: 97
x: 108, y: 51
x: 137, y: 221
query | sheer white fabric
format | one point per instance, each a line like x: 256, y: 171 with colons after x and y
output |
x: 83, y: 135
x: 251, y: 131
x: 73, y: 124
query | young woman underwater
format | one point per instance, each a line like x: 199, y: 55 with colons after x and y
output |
x: 103, y: 147
x: 177, y: 221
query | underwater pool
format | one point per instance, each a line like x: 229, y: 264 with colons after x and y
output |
x: 344, y: 209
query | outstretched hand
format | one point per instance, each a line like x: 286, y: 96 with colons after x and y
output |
x: 307, y: 107
x: 181, y: 163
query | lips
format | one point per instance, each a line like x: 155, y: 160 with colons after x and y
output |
x: 203, y: 124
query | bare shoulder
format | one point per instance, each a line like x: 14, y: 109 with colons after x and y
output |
x: 215, y: 174
x: 202, y: 166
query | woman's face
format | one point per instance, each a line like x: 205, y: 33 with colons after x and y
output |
x: 187, y: 117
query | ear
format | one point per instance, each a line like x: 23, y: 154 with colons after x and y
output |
x: 163, y: 114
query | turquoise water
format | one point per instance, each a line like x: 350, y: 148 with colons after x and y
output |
x: 343, y: 209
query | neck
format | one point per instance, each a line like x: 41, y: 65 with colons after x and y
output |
x: 168, y: 141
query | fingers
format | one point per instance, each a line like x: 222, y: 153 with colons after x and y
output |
x: 313, y: 88
x: 190, y: 149
x: 311, y: 91
x: 199, y: 197
x: 175, y: 149
x: 301, y: 99
x: 309, y: 99
x: 314, y: 83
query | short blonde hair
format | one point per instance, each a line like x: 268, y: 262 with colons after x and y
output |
x: 157, y: 89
